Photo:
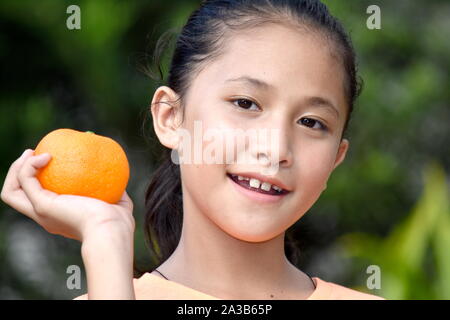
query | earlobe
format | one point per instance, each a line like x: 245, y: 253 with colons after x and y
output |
x: 165, y: 111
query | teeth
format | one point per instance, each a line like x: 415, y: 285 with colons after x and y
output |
x: 276, y: 188
x: 255, y: 183
x: 266, y: 186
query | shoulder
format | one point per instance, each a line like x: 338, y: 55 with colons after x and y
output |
x: 151, y: 287
x: 331, y: 291
x: 85, y: 296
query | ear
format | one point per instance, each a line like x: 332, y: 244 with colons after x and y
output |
x: 340, y: 156
x: 166, y: 112
x: 342, y: 151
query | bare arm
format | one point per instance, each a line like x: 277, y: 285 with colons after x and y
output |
x: 108, y: 260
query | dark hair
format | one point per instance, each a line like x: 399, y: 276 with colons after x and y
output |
x: 201, y: 40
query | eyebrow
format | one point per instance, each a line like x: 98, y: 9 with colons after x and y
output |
x: 312, y: 101
x: 251, y: 81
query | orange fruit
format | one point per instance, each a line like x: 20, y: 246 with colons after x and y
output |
x: 84, y: 164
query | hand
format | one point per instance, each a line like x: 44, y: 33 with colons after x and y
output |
x: 71, y: 216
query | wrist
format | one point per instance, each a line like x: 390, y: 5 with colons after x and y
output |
x: 106, y: 228
x: 108, y: 238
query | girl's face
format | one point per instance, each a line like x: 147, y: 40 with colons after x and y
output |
x: 303, y: 97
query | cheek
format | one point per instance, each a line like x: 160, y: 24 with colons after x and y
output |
x: 202, y: 187
x: 312, y: 170
x: 205, y: 137
x: 314, y: 160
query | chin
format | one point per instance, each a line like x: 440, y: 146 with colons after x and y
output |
x: 255, y: 238
x: 250, y: 233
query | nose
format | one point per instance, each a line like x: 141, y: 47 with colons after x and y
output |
x: 273, y: 148
x: 284, y: 148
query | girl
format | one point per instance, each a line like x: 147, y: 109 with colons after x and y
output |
x: 219, y: 229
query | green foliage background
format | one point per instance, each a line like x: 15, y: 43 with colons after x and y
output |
x: 386, y: 205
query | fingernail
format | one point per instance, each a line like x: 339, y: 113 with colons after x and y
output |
x: 44, y: 155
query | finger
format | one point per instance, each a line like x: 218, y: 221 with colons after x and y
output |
x: 39, y: 197
x: 11, y: 182
x: 12, y: 194
x: 19, y: 201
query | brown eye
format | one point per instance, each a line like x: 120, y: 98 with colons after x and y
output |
x: 311, y: 123
x: 245, y: 103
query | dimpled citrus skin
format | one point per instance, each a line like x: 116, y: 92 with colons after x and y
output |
x: 84, y: 164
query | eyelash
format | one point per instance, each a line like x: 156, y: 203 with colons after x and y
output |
x: 323, y: 126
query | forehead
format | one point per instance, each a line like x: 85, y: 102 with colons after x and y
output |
x: 295, y: 62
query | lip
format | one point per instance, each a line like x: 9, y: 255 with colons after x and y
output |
x: 256, y: 196
x: 262, y: 178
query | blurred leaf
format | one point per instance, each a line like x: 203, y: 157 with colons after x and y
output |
x: 401, y: 255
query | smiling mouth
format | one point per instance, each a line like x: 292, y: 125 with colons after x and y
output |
x: 246, y: 184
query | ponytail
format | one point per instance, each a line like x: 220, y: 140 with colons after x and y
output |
x: 164, y: 209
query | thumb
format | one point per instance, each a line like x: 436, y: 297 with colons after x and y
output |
x: 41, y: 160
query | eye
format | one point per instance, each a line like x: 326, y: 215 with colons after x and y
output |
x: 245, y: 103
x: 311, y: 123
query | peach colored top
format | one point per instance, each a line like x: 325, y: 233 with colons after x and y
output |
x: 152, y: 287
